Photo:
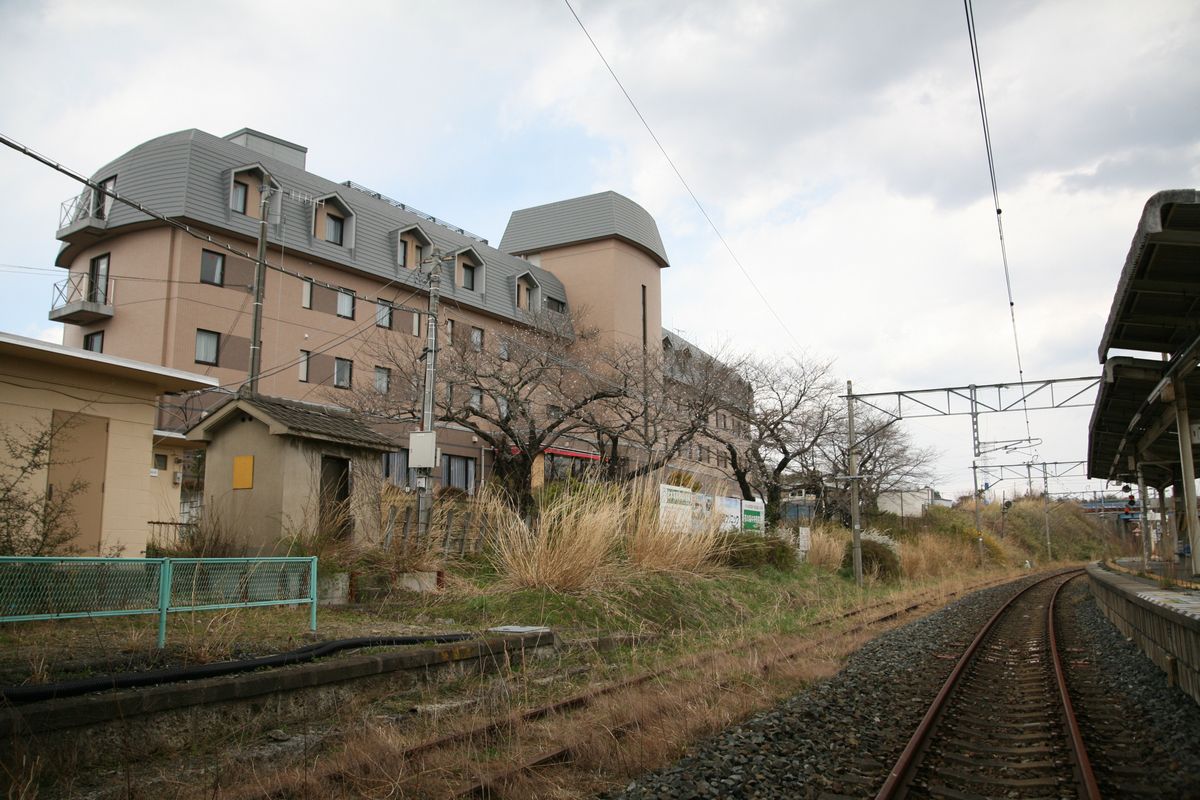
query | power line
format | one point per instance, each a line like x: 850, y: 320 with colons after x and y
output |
x: 682, y: 180
x: 987, y: 143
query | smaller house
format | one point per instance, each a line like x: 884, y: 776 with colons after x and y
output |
x: 275, y: 468
x: 910, y: 502
x: 106, y: 473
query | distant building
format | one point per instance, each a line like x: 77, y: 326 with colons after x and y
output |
x: 907, y: 502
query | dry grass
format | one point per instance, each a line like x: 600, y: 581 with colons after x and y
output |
x: 827, y: 547
x: 654, y: 545
x: 569, y: 547
x: 931, y: 556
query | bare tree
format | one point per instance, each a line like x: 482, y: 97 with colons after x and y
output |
x: 788, y: 408
x: 671, y: 396
x: 520, y: 389
x: 888, y: 460
x: 35, y: 519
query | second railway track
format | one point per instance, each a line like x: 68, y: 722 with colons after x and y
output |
x: 1003, y: 724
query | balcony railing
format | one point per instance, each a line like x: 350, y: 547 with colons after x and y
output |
x: 81, y: 300
x: 75, y: 208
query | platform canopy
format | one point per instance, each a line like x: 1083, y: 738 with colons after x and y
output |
x: 1156, y: 314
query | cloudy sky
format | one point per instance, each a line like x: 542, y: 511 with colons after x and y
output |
x: 836, y: 145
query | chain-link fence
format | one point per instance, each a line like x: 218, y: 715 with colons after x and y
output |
x: 47, y: 588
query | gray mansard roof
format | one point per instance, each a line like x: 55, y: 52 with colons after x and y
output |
x: 583, y: 219
x: 187, y: 175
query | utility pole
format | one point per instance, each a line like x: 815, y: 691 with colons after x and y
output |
x: 978, y: 500
x: 1046, y: 508
x: 260, y: 277
x: 1144, y: 496
x: 855, y: 533
x: 424, y: 495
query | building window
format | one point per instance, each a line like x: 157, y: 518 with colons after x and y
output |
x: 208, y: 344
x: 468, y: 277
x: 502, y: 406
x: 395, y: 468
x: 304, y: 357
x: 212, y: 268
x: 335, y: 228
x: 555, y: 304
x: 343, y: 372
x: 416, y: 324
x: 503, y: 349
x: 97, y: 288
x: 383, y: 315
x: 102, y: 205
x: 477, y: 339
x: 476, y: 401
x: 345, y: 303
x: 160, y: 461
x: 458, y: 472
x: 240, y: 192
x: 402, y: 252
x: 94, y: 342
x: 449, y: 331
x: 306, y: 289
x: 383, y: 379
x: 722, y: 460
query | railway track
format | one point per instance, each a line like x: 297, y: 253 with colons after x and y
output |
x: 1003, y: 723
x: 507, y: 757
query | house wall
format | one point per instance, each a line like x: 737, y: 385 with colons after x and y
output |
x: 252, y: 516
x: 30, y: 394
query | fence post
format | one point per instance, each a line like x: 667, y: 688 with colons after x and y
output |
x: 164, y: 600
x: 312, y: 589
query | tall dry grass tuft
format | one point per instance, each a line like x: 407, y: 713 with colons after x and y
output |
x: 930, y: 556
x: 569, y: 547
x: 655, y: 544
x: 827, y: 546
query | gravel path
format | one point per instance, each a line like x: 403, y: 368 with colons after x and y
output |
x: 841, y: 736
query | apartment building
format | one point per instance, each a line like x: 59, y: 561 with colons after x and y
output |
x: 346, y: 273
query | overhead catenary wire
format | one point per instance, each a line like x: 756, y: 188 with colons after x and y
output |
x: 987, y: 143
x: 682, y: 180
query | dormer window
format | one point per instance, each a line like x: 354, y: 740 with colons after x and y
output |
x: 529, y: 293
x: 333, y: 221
x: 410, y: 243
x: 246, y: 190
x: 469, y: 270
x: 554, y: 304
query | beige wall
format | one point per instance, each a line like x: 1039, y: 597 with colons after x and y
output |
x: 605, y: 278
x: 284, y: 498
x: 32, y: 391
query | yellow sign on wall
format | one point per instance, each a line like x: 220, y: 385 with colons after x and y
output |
x: 243, y: 472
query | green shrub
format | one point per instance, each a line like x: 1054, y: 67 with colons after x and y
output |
x: 749, y: 551
x: 877, y: 558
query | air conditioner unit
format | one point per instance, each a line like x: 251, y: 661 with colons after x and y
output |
x: 177, y: 477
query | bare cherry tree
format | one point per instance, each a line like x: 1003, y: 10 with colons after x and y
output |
x: 788, y: 409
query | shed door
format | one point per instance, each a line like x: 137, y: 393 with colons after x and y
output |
x: 78, y: 455
x: 335, y: 516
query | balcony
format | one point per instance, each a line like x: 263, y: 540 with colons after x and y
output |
x: 77, y: 301
x: 81, y: 215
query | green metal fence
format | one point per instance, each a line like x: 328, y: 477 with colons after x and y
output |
x: 70, y: 587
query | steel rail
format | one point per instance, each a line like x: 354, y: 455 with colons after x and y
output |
x: 1082, y: 763
x: 906, y: 765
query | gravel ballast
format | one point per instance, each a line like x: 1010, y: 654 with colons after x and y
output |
x: 840, y: 737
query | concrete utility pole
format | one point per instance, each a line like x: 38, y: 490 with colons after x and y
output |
x: 1046, y: 509
x: 260, y: 277
x: 1144, y: 496
x: 978, y: 500
x: 855, y: 532
x: 1184, y: 428
x: 424, y: 495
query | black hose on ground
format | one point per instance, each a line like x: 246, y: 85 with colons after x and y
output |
x: 127, y: 680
